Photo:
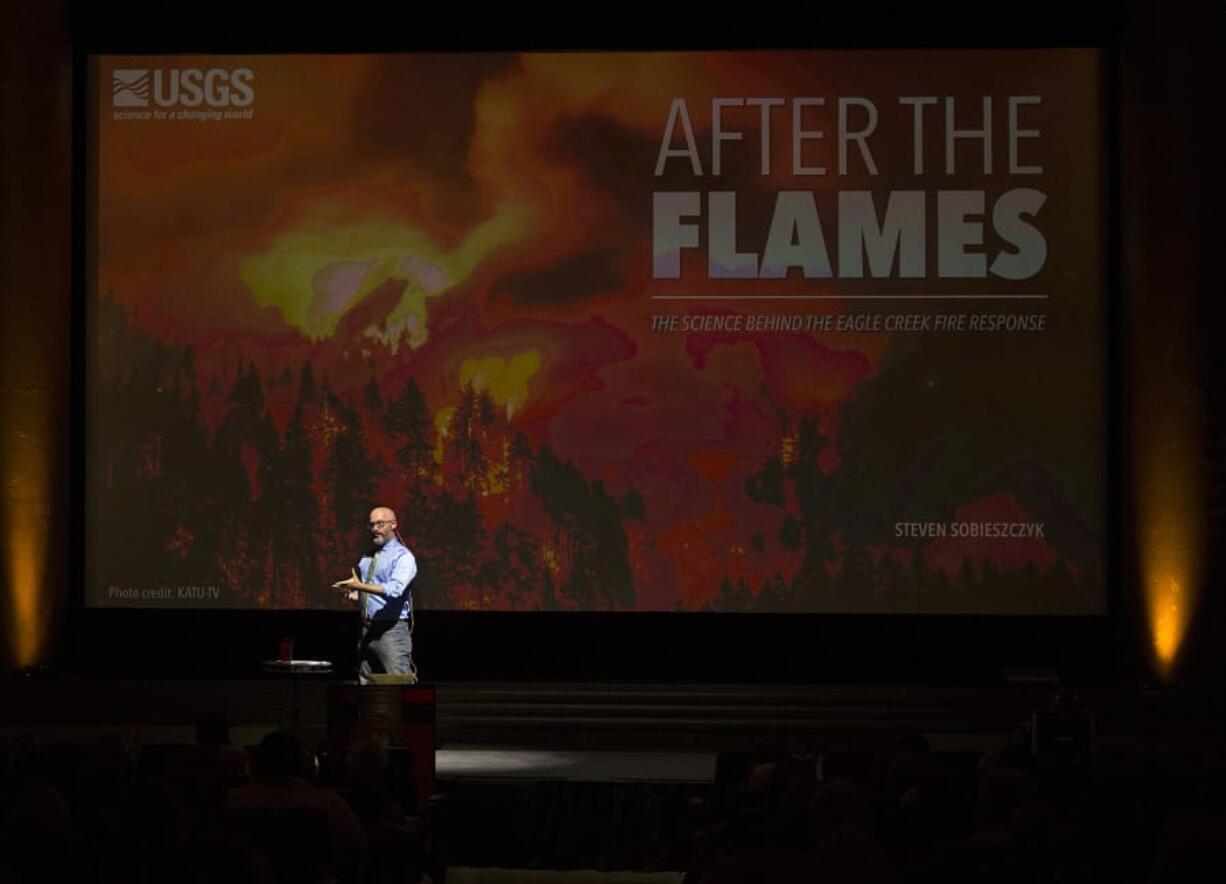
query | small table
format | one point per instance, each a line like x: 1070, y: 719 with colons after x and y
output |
x: 295, y: 669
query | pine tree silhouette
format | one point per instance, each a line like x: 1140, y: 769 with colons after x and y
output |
x: 633, y: 507
x: 766, y: 485
x: 296, y: 539
x: 349, y: 477
x: 408, y: 418
x: 467, y: 434
x: 591, y: 534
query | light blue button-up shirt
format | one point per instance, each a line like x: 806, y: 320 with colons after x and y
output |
x: 394, y: 570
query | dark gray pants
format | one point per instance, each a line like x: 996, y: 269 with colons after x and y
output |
x: 384, y: 647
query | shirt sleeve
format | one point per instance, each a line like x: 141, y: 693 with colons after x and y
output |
x: 404, y: 569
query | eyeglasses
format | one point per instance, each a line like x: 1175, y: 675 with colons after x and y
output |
x: 379, y: 524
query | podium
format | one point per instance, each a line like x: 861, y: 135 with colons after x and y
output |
x: 402, y: 712
x: 295, y: 669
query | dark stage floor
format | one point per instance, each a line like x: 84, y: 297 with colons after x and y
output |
x: 685, y: 718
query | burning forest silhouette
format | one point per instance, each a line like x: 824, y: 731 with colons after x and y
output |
x: 260, y: 484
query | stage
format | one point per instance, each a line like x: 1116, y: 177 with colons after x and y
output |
x: 656, y: 717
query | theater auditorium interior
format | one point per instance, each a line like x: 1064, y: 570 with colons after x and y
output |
x: 804, y: 430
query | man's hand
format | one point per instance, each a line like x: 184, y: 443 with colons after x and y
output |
x: 349, y: 582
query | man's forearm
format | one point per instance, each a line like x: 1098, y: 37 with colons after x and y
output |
x: 372, y: 588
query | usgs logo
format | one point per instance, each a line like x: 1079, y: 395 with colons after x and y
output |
x: 186, y: 87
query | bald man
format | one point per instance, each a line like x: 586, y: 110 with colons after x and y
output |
x: 380, y: 585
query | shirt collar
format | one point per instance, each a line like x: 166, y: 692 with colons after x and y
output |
x: 392, y: 544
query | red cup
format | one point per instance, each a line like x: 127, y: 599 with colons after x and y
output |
x: 287, y: 649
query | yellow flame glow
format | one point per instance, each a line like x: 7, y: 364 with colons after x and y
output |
x: 505, y: 379
x: 442, y: 429
x: 285, y: 274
